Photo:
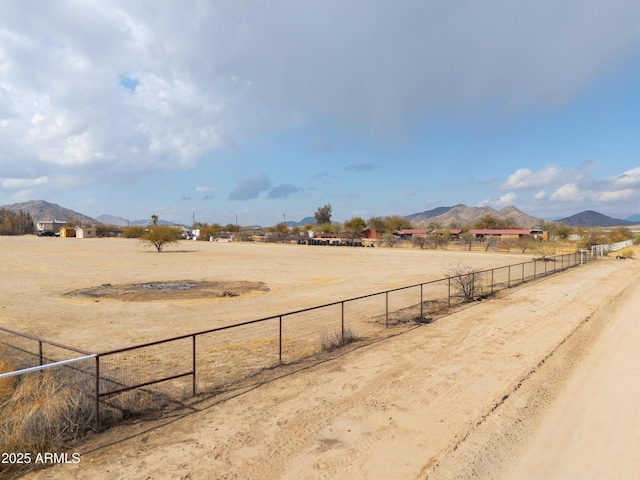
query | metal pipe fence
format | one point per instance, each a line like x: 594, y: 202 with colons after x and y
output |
x: 144, y: 377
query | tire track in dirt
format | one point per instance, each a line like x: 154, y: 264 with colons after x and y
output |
x: 496, y: 438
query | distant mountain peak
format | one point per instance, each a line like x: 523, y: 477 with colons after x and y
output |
x: 41, y: 210
x: 591, y: 218
x: 461, y: 214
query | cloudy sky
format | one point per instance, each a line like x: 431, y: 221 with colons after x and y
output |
x: 266, y: 109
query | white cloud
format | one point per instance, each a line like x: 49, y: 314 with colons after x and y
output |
x: 205, y: 189
x: 504, y: 201
x: 541, y: 195
x: 109, y: 86
x: 20, y: 183
x: 615, y: 195
x: 628, y: 178
x: 569, y: 192
x: 524, y: 178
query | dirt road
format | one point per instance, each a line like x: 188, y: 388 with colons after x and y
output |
x: 592, y: 430
x: 466, y: 396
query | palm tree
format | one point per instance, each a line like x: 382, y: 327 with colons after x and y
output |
x: 154, y: 219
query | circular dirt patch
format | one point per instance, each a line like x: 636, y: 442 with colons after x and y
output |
x: 175, y: 290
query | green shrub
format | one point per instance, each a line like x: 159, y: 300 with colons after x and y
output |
x: 133, y: 232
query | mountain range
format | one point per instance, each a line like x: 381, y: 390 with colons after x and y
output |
x: 463, y: 215
x: 457, y: 215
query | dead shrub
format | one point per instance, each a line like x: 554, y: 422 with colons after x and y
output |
x: 42, y: 411
x: 625, y: 252
x: 333, y: 340
x: 466, y: 281
x: 7, y: 384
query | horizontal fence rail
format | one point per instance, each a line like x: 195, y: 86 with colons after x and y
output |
x: 610, y: 247
x: 45, y: 367
x: 147, y: 376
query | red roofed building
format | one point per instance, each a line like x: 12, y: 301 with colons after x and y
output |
x: 508, y: 233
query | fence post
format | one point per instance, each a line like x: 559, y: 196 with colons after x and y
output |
x: 342, y: 321
x: 193, y: 351
x: 421, y: 302
x: 387, y: 308
x: 280, y: 342
x: 40, y: 350
x: 449, y: 294
x: 97, y: 392
x: 473, y: 284
x: 522, y: 272
x: 509, y: 277
x: 492, y: 281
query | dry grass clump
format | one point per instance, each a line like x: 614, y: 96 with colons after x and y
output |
x: 7, y: 385
x: 626, y: 252
x: 42, y: 411
x: 332, y: 340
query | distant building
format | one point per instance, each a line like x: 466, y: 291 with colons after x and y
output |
x: 513, y: 234
x: 78, y: 232
x: 409, y: 233
x: 86, y: 232
x: 372, y: 234
x: 67, y: 232
x: 49, y: 225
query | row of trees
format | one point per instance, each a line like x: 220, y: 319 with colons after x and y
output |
x: 159, y: 236
x: 15, y: 223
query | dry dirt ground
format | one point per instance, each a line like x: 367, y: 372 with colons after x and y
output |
x: 539, y: 383
x: 38, y: 273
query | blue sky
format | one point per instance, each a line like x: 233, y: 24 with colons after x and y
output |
x: 215, y: 109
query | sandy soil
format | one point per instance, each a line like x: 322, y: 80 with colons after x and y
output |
x: 37, y: 272
x: 529, y: 385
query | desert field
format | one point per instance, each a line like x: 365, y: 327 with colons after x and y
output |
x: 539, y: 382
x: 38, y: 272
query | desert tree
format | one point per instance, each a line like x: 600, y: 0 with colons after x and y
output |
x: 542, y: 249
x: 133, y: 231
x: 562, y: 232
x: 491, y: 222
x: 389, y: 224
x: 523, y: 244
x: 154, y: 220
x: 397, y: 222
x: 323, y: 215
x: 590, y: 237
x: 467, y: 240
x: 15, y: 223
x: 419, y: 241
x: 160, y: 236
x: 442, y: 240
x: 465, y: 280
x: 278, y: 233
x: 507, y: 244
x: 490, y: 242
x: 333, y: 227
x: 354, y: 227
x: 377, y: 223
x: 208, y: 231
x: 620, y: 234
x: 432, y: 241
x: 390, y: 240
